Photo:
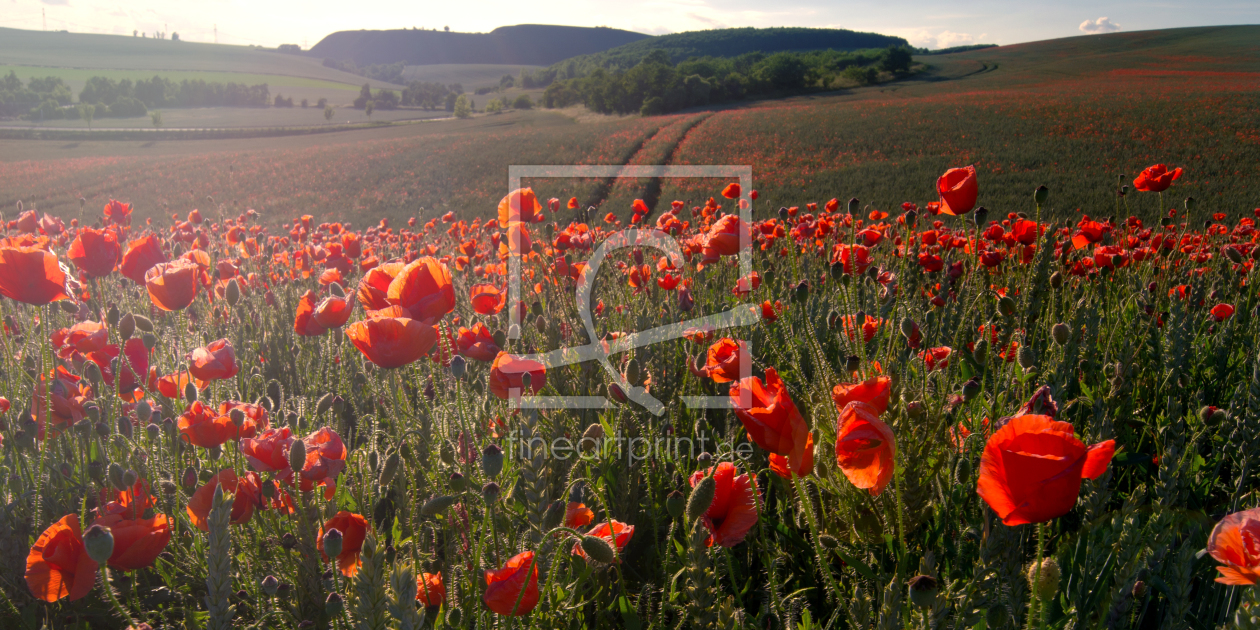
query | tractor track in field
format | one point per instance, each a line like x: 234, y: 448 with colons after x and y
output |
x: 651, y: 152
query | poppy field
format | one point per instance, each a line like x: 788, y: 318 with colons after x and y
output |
x: 940, y: 417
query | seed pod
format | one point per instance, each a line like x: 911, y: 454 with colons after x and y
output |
x: 190, y: 393
x: 334, y: 604
x: 701, y: 498
x: 459, y: 367
x: 1060, y: 333
x: 981, y: 352
x: 437, y: 505
x: 675, y: 502
x: 457, y: 482
x: 1027, y: 358
x: 297, y: 455
x: 1006, y: 306
x: 111, y: 315
x: 853, y: 363
x: 490, y: 492
x: 98, y: 541
x: 92, y: 372
x: 270, y: 585
x: 237, y: 417
x: 970, y: 389
x: 1041, y: 194
x: 332, y: 542
x: 389, y: 470
x: 125, y: 427
x: 129, y: 478
x: 1056, y: 280
x: 598, y: 549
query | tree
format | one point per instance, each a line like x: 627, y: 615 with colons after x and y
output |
x: 305, y: 104
x: 328, y: 111
x: 365, y: 95
x: 156, y: 117
x: 174, y: 36
x: 494, y: 105
x: 368, y: 108
x: 523, y: 102
x: 323, y: 102
x: 896, y: 59
x: 87, y: 112
x: 463, y: 107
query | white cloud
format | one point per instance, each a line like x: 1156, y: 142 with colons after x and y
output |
x: 1101, y: 25
x: 924, y: 38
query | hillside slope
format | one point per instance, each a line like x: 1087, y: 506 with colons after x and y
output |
x: 523, y: 44
x: 116, y: 52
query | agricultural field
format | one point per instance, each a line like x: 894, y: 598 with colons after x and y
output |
x: 977, y: 351
x: 1074, y: 114
x: 470, y: 75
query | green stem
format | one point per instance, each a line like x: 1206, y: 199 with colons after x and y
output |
x: 833, y: 589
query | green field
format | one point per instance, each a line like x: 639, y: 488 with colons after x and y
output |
x: 471, y: 76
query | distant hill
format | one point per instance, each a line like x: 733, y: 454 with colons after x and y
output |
x: 729, y: 42
x: 524, y: 44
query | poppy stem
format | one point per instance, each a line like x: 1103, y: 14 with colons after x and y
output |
x: 1036, y: 607
x: 825, y: 567
x: 113, y: 597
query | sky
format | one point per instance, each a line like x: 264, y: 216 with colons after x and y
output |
x: 924, y: 23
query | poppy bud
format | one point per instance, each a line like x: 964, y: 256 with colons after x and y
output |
x: 288, y: 541
x: 143, y: 412
x: 970, y: 389
x: 125, y: 428
x: 1139, y: 589
x: 1006, y: 306
x: 923, y: 590
x: 911, y: 217
x: 68, y: 307
x: 540, y: 323
x: 1044, y: 582
x: 1056, y: 280
x: 1041, y: 194
x: 853, y: 363
x: 334, y: 605
x: 437, y: 505
x: 833, y: 320
x: 1234, y: 255
x: 324, y: 404
x: 92, y: 372
x: 591, y: 437
x: 447, y: 453
x: 962, y: 472
x: 553, y: 516
x: 981, y: 351
x: 1190, y: 204
x: 232, y: 292
x: 492, y: 461
x: 457, y: 482
x: 837, y: 270
x: 701, y: 498
x: 270, y: 585
x: 389, y: 470
x: 527, y: 381
x: 269, y: 490
x: 189, y: 478
x: 297, y: 455
x: 854, y: 205
x: 908, y: 327
x: 500, y: 338
x: 633, y: 375
x: 143, y: 323
x: 149, y: 340
x: 801, y: 293
x: 490, y: 492
x: 332, y: 542
x: 598, y: 549
x: 111, y: 315
x: 783, y: 213
x: 454, y: 616
x: 1060, y: 333
x: 686, y: 302
x: 1219, y: 416
x: 458, y: 367
x: 190, y: 393
x: 96, y: 470
x: 1027, y: 358
x: 337, y: 290
x: 126, y: 326
x: 982, y: 215
x: 675, y: 503
x: 99, y: 543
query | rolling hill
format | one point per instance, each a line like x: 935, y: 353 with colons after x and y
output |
x: 728, y: 42
x: 523, y: 44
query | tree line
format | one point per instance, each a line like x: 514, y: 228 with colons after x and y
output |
x: 656, y: 85
x: 425, y: 95
x: 50, y: 98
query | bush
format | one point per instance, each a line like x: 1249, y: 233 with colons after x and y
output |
x: 654, y: 106
x: 523, y: 102
x: 127, y: 107
x: 495, y: 105
x: 462, y: 108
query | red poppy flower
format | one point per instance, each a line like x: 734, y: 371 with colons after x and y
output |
x: 31, y: 275
x: 958, y: 190
x: 392, y: 342
x: 354, y: 529
x: 141, y: 255
x: 487, y: 299
x: 118, y: 212
x: 875, y: 391
x: 201, y: 426
x: 507, y: 374
x: 84, y: 337
x: 771, y: 418
x: 332, y: 312
x: 325, y: 459
x: 304, y: 323
x: 866, y: 449
x: 214, y: 362
x: 936, y: 358
x: 519, y: 206
x: 477, y: 343
x: 725, y: 360
x: 430, y: 590
x: 95, y: 252
x: 723, y: 239
x: 373, y: 292
x: 734, y: 508
x: 615, y: 532
x: 1156, y: 178
x: 731, y: 191
x: 58, y: 565
x: 424, y: 288
x: 1222, y: 312
x: 269, y: 452
x: 173, y: 285
x: 577, y: 515
x: 1032, y: 468
x: 137, y: 542
x: 246, y: 491
x: 1235, y: 543
x: 504, y: 586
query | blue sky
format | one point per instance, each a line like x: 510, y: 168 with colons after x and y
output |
x: 925, y: 23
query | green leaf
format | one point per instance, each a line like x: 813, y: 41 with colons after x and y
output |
x: 629, y: 615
